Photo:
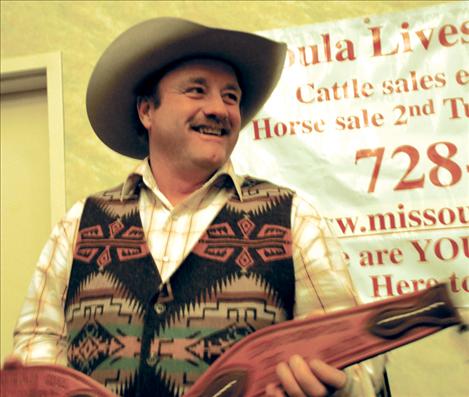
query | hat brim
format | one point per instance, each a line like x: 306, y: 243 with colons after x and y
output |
x: 151, y: 46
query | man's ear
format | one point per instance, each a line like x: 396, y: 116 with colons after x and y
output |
x: 143, y: 108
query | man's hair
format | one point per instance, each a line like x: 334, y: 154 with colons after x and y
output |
x: 148, y: 91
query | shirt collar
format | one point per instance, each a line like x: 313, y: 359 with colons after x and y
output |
x: 142, y: 174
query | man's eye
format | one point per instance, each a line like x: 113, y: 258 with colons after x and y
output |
x: 232, y: 98
x: 195, y: 90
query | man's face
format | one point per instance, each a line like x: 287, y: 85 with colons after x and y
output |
x: 196, y: 125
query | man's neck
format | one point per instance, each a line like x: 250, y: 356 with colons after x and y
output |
x: 177, y: 186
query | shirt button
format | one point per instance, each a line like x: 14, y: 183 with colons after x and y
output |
x: 159, y: 308
x: 165, y: 259
x: 152, y: 360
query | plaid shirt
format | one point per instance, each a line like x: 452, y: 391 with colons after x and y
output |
x: 322, y: 280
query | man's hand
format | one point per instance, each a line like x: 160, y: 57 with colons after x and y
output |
x: 306, y: 379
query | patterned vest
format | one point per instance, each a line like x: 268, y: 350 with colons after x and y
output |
x: 142, y: 338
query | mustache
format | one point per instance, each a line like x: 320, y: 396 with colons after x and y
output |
x: 213, y: 122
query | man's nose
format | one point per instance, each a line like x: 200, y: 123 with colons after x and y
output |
x: 215, y: 107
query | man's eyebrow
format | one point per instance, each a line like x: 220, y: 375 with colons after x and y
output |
x: 203, y: 81
x: 196, y: 80
x: 234, y: 87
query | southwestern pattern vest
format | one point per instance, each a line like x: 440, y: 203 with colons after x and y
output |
x: 142, y: 338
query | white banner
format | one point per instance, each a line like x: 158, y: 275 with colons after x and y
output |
x: 370, y: 119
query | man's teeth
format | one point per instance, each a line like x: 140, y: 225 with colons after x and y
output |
x: 210, y: 131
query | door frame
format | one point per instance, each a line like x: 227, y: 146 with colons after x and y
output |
x: 38, y: 72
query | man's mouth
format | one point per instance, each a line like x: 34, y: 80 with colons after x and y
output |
x: 213, y: 131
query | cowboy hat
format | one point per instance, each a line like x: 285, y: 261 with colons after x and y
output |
x: 151, y: 46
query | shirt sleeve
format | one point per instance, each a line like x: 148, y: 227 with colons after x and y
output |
x: 40, y: 332
x: 322, y: 279
x: 323, y: 284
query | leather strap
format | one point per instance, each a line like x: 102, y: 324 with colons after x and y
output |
x: 49, y: 381
x: 340, y: 338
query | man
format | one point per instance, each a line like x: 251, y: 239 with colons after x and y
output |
x: 143, y: 286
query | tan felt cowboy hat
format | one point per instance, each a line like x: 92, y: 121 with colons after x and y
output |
x: 151, y: 46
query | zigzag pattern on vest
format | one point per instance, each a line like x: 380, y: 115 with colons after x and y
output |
x: 140, y: 338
